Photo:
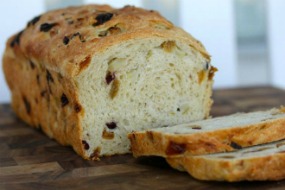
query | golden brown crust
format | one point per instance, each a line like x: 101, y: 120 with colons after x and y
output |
x: 36, y: 99
x: 269, y: 167
x: 166, y: 145
x: 64, y: 38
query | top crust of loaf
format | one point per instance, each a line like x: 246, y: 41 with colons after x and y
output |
x: 65, y: 40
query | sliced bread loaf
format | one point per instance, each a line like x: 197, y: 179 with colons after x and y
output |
x: 219, y: 134
x: 89, y: 75
x: 262, y: 162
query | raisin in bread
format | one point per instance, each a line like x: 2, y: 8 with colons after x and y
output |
x: 89, y: 75
x: 262, y: 162
x: 219, y: 134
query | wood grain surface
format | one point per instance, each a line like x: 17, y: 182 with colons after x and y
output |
x: 30, y: 160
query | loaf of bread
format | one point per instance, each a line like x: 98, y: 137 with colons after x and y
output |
x: 221, y: 134
x: 89, y: 75
x: 262, y: 162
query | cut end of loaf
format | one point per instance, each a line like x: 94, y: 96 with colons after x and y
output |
x: 152, y: 83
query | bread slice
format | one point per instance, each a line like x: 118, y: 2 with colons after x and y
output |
x: 89, y: 75
x: 262, y: 162
x: 219, y: 134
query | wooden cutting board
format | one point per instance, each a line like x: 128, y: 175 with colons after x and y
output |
x: 30, y: 160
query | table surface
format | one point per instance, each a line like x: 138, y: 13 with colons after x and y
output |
x: 30, y: 160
